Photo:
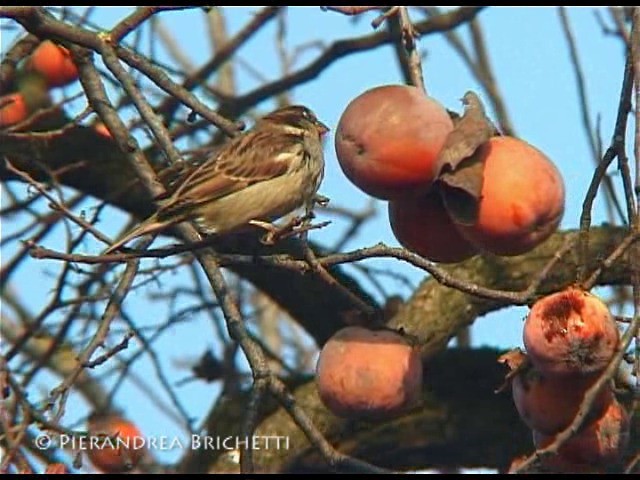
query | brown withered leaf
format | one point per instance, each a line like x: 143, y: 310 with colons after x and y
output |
x: 461, y: 172
x: 469, y: 132
x: 461, y: 190
x: 517, y: 362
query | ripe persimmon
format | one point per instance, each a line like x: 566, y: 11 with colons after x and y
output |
x: 54, y: 63
x: 102, y: 129
x: 422, y: 225
x: 367, y: 373
x: 13, y: 109
x: 522, y: 198
x: 114, y: 448
x: 389, y: 138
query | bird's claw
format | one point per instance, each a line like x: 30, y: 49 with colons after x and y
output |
x: 295, y: 226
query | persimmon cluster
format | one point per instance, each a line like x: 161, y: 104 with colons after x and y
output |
x: 389, y: 143
x: 571, y: 337
x: 49, y: 66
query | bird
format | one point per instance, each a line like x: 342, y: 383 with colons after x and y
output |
x: 470, y: 131
x: 262, y: 174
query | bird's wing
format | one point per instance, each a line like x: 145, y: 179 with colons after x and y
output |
x: 236, y: 166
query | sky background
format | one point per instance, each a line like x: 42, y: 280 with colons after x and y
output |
x: 531, y: 63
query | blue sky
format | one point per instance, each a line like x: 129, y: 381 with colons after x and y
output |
x: 531, y: 63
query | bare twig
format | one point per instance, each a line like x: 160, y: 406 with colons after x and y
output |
x: 408, y: 39
x: 61, y: 393
x: 616, y: 149
x: 613, y: 204
x: 122, y: 345
x: 56, y: 205
x: 480, y: 67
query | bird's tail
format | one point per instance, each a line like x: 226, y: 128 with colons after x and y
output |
x: 150, y: 225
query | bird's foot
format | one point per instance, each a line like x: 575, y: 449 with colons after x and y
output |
x: 295, y: 226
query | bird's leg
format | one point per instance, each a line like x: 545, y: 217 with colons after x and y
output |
x: 295, y: 226
x: 269, y: 238
x: 277, y: 232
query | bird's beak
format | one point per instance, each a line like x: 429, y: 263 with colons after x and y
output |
x: 322, y: 128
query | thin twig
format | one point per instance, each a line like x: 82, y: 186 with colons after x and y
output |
x: 122, y: 345
x: 409, y: 36
x: 55, y: 204
x: 613, y: 204
x: 616, y: 149
x: 62, y: 391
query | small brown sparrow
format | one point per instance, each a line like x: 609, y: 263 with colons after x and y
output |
x: 256, y: 177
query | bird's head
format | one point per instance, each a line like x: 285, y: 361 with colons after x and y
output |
x: 297, y: 117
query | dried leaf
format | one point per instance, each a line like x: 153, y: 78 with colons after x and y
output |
x: 462, y: 190
x: 469, y: 132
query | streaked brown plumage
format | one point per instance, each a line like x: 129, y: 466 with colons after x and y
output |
x: 262, y: 174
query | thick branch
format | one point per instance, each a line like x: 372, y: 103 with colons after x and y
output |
x: 435, y: 313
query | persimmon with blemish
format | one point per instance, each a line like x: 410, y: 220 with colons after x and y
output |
x: 570, y: 332
x: 522, y: 198
x: 597, y: 445
x: 548, y: 404
x: 388, y: 140
x: 368, y: 373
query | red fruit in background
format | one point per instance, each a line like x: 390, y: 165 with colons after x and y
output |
x: 570, y: 333
x: 109, y: 456
x: 102, y: 129
x: 54, y: 63
x: 422, y: 225
x: 599, y: 444
x: 522, y: 199
x: 366, y: 373
x: 56, y: 469
x: 13, y: 109
x: 389, y: 138
x: 549, y: 404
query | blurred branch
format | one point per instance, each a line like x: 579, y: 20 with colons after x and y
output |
x: 340, y: 49
x: 10, y: 60
x: 176, y: 51
x: 62, y: 363
x: 217, y: 25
